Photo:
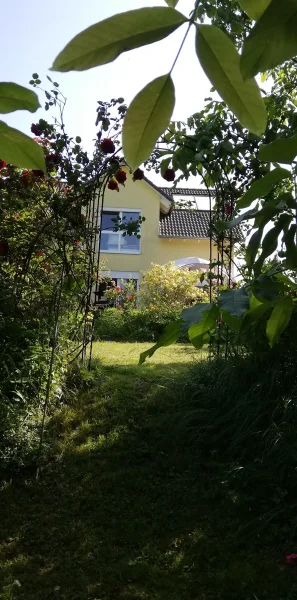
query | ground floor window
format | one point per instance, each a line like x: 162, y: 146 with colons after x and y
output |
x: 119, y: 278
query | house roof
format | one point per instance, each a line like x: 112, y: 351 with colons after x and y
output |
x: 181, y: 223
x: 171, y: 191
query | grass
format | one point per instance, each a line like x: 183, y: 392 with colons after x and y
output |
x: 126, y: 508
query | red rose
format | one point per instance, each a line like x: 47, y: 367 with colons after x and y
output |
x: 121, y: 176
x: 228, y: 209
x: 107, y: 146
x: 112, y: 185
x: 35, y: 130
x: 169, y: 175
x: 40, y: 253
x: 2, y: 164
x: 16, y: 215
x: 76, y: 242
x: 138, y: 175
x: 118, y: 288
x: 131, y: 297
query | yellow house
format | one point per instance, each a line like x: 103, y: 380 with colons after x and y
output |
x: 167, y: 234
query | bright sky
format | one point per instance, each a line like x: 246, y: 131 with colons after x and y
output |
x: 34, y: 32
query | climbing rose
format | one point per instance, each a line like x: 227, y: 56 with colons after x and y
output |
x: 112, y: 185
x: 112, y: 282
x: 2, y: 164
x: 121, y: 176
x: 40, y: 253
x: 35, y: 130
x: 138, y: 175
x: 291, y: 559
x: 228, y: 209
x: 169, y: 175
x: 16, y: 215
x: 118, y: 288
x: 107, y: 146
x: 131, y: 297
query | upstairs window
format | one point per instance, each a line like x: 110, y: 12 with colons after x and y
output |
x: 114, y: 241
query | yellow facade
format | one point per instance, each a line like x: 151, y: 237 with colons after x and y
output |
x: 141, y: 196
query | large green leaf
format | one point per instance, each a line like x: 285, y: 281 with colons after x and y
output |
x: 221, y: 63
x: 252, y: 248
x: 105, y: 41
x: 265, y: 289
x: 286, y: 280
x: 282, y: 150
x: 168, y: 337
x: 193, y: 315
x: 291, y: 248
x: 261, y: 187
x: 235, y: 302
x: 253, y: 315
x: 207, y: 324
x: 147, y: 117
x: 269, y: 245
x: 18, y: 149
x: 249, y: 214
x: 272, y: 40
x: 279, y: 319
x: 254, y: 8
x: 172, y: 3
x: 16, y: 97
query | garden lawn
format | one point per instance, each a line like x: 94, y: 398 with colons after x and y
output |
x: 125, y: 508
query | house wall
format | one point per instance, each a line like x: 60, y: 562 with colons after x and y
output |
x: 141, y: 196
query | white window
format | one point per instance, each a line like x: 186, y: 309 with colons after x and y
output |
x: 114, y: 241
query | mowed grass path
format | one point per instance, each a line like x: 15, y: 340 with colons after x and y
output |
x: 125, y: 507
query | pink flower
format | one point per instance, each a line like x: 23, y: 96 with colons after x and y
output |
x: 118, y: 288
x: 291, y: 559
x: 113, y: 282
x: 16, y: 215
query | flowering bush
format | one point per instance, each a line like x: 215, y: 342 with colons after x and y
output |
x: 122, y: 296
x: 166, y: 285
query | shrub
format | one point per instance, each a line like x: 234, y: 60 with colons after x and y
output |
x: 166, y: 285
x: 116, y: 324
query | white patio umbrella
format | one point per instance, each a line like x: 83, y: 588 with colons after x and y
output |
x: 193, y: 263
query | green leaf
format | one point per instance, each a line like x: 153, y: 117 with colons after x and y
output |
x: 16, y: 97
x: 168, y: 337
x: 282, y: 150
x: 272, y: 40
x: 105, y: 41
x: 286, y: 280
x: 220, y: 61
x: 235, y: 302
x: 147, y: 117
x: 193, y: 315
x: 254, y: 8
x: 279, y: 319
x: 252, y: 248
x: 291, y: 248
x: 261, y: 187
x: 253, y: 315
x: 18, y: 149
x: 266, y: 289
x: 222, y: 225
x: 269, y: 245
x: 172, y: 3
x: 207, y: 324
x: 232, y: 322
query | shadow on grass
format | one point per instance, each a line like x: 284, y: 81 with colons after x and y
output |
x: 128, y: 510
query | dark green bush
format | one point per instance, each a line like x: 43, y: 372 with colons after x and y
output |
x: 132, y: 325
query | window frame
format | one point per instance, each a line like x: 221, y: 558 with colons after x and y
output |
x: 120, y: 212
